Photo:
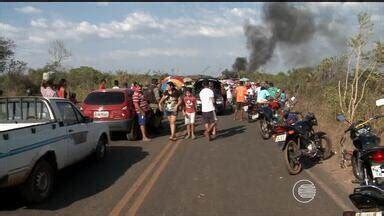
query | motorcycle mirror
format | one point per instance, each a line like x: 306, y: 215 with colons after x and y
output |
x: 380, y: 102
x: 340, y: 118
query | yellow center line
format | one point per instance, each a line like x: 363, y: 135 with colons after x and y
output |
x: 140, y: 199
x: 127, y: 196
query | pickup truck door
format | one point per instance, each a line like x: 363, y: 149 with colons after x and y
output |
x: 77, y: 131
x: 3, y: 161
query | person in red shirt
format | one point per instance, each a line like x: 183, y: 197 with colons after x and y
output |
x: 103, y: 84
x: 62, y: 89
x: 189, y: 113
x: 141, y: 108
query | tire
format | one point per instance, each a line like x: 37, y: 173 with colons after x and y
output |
x: 101, y: 150
x: 135, y: 133
x: 326, y: 147
x: 250, y: 120
x: 292, y: 167
x: 40, y: 182
x: 264, y: 129
x: 355, y: 169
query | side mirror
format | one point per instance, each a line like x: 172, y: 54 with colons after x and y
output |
x: 87, y: 119
x: 380, y: 102
x: 340, y: 118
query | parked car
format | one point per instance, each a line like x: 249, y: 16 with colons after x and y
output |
x: 115, y: 108
x: 219, y: 102
x: 40, y: 136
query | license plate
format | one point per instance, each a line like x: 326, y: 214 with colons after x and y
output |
x: 281, y: 138
x: 255, y: 116
x: 101, y: 114
x: 369, y: 214
x: 377, y: 171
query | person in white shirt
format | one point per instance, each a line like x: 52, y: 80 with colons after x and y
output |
x: 46, y: 89
x: 250, y: 91
x: 116, y: 84
x: 208, y: 109
x: 229, y: 93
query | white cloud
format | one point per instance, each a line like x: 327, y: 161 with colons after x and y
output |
x: 86, y: 28
x: 150, y: 52
x: 242, y: 12
x: 102, y: 3
x: 36, y: 39
x: 39, y: 23
x: 4, y: 27
x: 28, y: 10
x: 8, y: 30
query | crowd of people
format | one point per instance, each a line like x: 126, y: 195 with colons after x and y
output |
x: 171, y: 101
x: 239, y: 94
x: 49, y: 89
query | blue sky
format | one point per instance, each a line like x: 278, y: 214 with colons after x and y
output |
x: 185, y: 37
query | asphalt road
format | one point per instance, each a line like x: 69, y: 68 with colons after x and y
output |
x: 238, y: 173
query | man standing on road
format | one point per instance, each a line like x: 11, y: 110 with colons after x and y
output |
x: 208, y: 109
x: 240, y: 92
x: 116, y: 84
x: 142, y: 108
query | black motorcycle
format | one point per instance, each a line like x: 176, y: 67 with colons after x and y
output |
x: 367, y: 164
x: 253, y: 109
x: 299, y: 140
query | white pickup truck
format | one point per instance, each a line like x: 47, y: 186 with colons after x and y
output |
x: 39, y: 136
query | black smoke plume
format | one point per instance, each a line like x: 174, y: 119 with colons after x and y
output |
x: 281, y: 23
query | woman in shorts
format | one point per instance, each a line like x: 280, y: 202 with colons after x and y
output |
x: 170, y: 103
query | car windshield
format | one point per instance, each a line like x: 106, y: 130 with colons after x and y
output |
x: 104, y: 98
x: 199, y: 86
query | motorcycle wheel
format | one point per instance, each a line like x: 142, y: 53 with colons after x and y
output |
x: 249, y: 119
x: 355, y: 169
x: 293, y: 165
x: 264, y: 131
x: 326, y: 147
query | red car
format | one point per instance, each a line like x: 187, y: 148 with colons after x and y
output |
x: 114, y: 107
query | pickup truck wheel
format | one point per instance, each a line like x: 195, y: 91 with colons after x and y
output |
x: 40, y: 183
x: 101, y: 149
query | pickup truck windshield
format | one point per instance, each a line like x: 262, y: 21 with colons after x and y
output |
x: 23, y: 110
x: 104, y: 98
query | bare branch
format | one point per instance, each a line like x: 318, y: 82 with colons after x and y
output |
x: 58, y: 51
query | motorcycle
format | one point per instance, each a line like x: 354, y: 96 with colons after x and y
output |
x: 365, y: 158
x: 367, y: 165
x: 252, y: 109
x: 269, y: 118
x: 299, y: 140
